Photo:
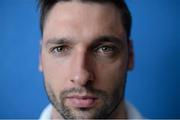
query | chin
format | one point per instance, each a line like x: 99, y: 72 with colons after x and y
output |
x: 78, y: 113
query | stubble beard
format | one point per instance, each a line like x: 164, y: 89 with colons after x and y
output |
x: 109, y: 103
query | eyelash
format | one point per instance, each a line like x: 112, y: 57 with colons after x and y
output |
x: 55, y: 50
x: 101, y: 50
x: 110, y: 50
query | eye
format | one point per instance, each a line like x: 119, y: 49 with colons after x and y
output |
x: 106, y: 50
x: 58, y: 50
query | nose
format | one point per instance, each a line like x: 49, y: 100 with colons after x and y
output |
x: 81, y: 72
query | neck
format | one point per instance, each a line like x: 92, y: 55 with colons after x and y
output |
x: 55, y: 114
x: 119, y: 113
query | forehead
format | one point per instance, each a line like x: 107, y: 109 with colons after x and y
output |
x: 82, y: 19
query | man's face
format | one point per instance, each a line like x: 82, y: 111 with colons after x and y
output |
x: 84, y: 59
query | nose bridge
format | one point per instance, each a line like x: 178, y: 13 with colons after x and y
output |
x: 80, y: 67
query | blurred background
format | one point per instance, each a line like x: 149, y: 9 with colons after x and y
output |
x: 153, y: 86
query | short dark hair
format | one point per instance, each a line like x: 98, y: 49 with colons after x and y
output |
x: 46, y: 5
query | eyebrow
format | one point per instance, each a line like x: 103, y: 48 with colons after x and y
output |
x: 102, y: 39
x: 112, y: 39
x: 58, y: 41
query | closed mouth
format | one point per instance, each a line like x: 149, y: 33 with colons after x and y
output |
x: 77, y: 101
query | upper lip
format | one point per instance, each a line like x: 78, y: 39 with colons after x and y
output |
x: 82, y: 97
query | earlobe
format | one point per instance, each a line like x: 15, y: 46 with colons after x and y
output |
x: 130, y: 55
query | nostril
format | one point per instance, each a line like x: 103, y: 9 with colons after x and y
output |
x: 72, y: 80
x: 82, y: 79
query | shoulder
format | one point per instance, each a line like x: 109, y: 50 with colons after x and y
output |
x: 132, y: 112
x: 46, y: 113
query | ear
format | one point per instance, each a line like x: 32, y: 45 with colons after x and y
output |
x: 40, y: 57
x: 130, y: 55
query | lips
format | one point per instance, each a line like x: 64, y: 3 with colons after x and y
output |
x: 82, y: 101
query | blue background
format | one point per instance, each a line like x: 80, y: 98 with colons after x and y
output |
x: 153, y: 86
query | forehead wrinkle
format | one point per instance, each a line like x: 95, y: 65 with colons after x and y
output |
x: 113, y: 12
x: 69, y: 23
x: 100, y: 2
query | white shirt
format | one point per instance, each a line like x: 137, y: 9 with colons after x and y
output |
x: 132, y: 112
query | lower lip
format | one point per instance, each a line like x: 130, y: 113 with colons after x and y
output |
x: 81, y: 103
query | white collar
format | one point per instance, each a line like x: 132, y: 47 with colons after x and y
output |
x: 132, y: 112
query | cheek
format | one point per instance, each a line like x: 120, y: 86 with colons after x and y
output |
x: 55, y: 73
x: 111, y: 76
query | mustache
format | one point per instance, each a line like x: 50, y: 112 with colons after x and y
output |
x: 89, y: 90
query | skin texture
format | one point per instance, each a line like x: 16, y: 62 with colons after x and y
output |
x: 85, y: 57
